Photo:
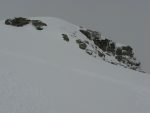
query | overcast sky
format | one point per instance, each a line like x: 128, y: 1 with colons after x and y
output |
x: 126, y: 21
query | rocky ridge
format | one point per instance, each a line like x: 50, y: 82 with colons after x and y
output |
x: 101, y: 47
x: 93, y: 44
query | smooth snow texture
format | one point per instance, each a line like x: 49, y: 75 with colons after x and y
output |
x: 42, y: 73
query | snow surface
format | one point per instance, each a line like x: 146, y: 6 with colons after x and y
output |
x: 42, y: 73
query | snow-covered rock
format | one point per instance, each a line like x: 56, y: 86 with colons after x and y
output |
x: 40, y: 72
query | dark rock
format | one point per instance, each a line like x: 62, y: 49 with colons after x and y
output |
x: 114, y: 63
x: 65, y: 37
x: 86, y: 42
x: 111, y: 48
x: 18, y: 22
x: 137, y: 64
x: 124, y: 54
x: 82, y: 46
x: 119, y: 58
x: 78, y: 41
x: 102, y: 44
x: 97, y: 42
x: 91, y: 34
x: 96, y: 35
x: 127, y: 50
x: 8, y: 22
x: 39, y: 28
x: 100, y: 54
x: 108, y: 54
x: 38, y: 24
x: 119, y: 51
x: 89, y: 51
x: 86, y: 33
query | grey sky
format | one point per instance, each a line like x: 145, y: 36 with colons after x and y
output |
x: 126, y: 21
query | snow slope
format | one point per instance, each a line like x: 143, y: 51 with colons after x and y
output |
x: 42, y: 73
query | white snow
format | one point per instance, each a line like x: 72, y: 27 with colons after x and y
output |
x: 41, y: 73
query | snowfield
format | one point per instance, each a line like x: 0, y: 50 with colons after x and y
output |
x: 42, y: 73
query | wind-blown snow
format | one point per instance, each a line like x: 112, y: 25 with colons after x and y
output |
x: 41, y: 73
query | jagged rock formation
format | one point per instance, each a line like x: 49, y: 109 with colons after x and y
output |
x: 105, y: 47
x: 20, y: 22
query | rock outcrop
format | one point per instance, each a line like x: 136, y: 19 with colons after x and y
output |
x: 123, y: 54
x: 20, y: 22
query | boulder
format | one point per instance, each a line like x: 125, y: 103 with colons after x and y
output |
x: 82, y: 46
x: 18, y: 22
x: 89, y: 51
x: 65, y: 37
x: 38, y: 24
